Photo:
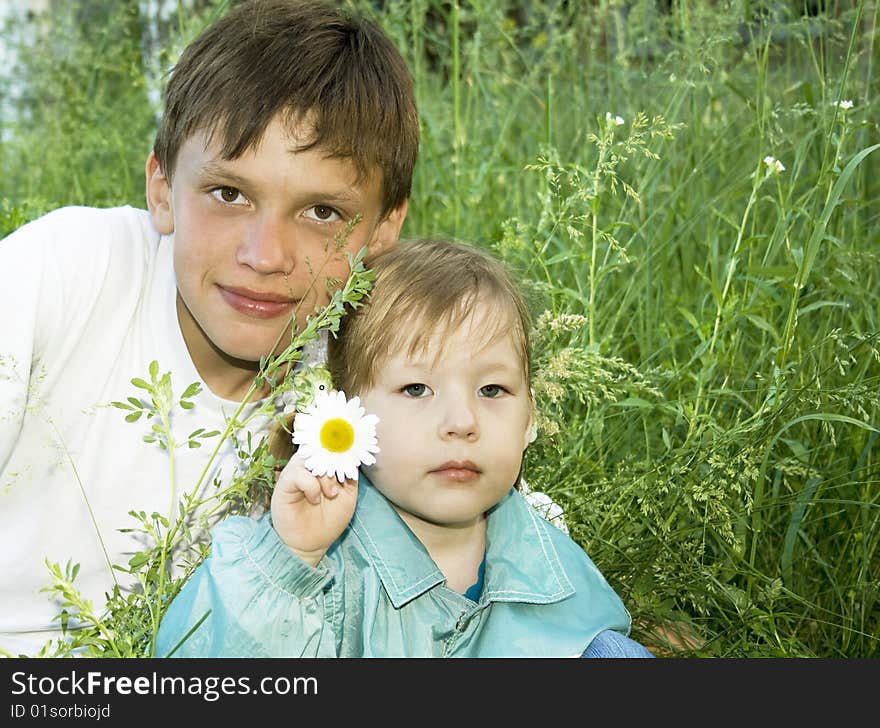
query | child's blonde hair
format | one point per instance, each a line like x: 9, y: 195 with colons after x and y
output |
x: 424, y: 288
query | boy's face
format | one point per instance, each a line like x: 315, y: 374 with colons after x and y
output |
x: 254, y: 240
x: 454, y: 421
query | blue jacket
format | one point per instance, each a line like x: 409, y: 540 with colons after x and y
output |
x: 377, y: 593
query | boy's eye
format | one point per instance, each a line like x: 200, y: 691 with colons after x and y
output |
x: 492, y: 390
x: 229, y: 195
x: 416, y: 390
x: 323, y: 213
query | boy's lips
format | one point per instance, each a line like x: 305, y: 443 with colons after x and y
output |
x: 458, y: 470
x: 258, y: 304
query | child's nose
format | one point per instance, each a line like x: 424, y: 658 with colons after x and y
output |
x: 459, y: 419
x: 267, y: 245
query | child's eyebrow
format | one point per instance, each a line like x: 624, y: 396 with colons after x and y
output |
x: 499, y: 370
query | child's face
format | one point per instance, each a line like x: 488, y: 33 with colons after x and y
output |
x: 452, y: 431
x: 251, y: 239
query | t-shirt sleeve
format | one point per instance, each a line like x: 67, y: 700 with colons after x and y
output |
x: 29, y: 301
x: 250, y: 598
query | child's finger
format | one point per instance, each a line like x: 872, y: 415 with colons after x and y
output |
x: 310, y: 487
x: 329, y: 485
x: 296, y: 479
x: 332, y: 487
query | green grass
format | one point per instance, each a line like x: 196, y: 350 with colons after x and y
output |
x: 711, y: 422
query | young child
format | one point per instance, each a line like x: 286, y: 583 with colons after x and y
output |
x: 433, y: 552
x: 286, y: 122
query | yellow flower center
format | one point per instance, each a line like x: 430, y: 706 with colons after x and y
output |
x: 336, y: 435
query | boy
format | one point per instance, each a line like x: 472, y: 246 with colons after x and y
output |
x: 286, y: 123
x: 432, y: 552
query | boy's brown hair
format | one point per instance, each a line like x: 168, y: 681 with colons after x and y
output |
x: 424, y: 288
x: 307, y: 61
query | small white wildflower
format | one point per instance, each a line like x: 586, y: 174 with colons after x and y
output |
x: 615, y: 120
x: 774, y: 165
x: 546, y: 507
x: 307, y: 382
x: 845, y: 104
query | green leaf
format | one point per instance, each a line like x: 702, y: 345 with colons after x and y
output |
x: 763, y: 324
x: 141, y: 384
x: 797, y: 448
x: 133, y: 417
x: 830, y: 205
x: 192, y: 390
x: 794, y: 525
x: 820, y: 304
x: 138, y: 560
x: 634, y: 402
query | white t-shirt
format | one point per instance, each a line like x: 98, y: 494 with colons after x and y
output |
x: 87, y: 301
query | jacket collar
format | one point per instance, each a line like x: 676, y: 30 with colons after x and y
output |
x: 407, y: 570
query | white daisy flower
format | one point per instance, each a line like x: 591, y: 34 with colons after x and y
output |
x: 845, y: 104
x: 773, y: 164
x: 335, y: 436
x: 615, y: 120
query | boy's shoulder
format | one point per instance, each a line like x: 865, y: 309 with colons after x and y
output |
x: 65, y: 239
x: 71, y: 224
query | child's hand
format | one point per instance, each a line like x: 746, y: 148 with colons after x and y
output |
x: 310, y: 513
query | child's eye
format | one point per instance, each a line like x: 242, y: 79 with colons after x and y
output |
x: 323, y: 213
x: 492, y: 391
x: 229, y: 196
x: 416, y: 390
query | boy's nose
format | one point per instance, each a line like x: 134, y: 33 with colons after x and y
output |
x: 267, y: 246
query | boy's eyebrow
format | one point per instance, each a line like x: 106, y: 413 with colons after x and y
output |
x: 213, y: 168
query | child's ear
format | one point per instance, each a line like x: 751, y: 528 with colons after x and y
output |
x: 388, y: 231
x: 531, y: 433
x: 159, y: 196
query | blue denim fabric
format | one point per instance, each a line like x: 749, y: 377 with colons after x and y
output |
x: 613, y: 644
x: 378, y: 593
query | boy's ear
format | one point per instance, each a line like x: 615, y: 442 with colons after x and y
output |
x: 388, y: 231
x: 158, y: 190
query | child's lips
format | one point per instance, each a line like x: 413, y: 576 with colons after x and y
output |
x: 460, y: 471
x: 258, y: 304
